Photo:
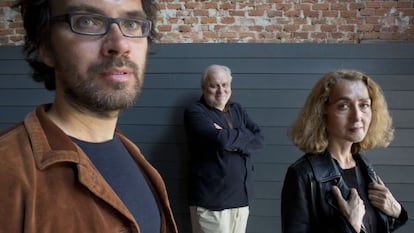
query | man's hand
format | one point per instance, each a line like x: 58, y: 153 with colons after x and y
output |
x: 381, y: 197
x: 352, y: 209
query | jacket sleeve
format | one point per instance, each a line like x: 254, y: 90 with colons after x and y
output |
x: 296, y: 214
x: 244, y: 139
x: 395, y: 223
x: 256, y: 140
x: 13, y: 201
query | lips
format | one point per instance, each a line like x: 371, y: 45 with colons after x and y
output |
x: 117, y: 74
x: 357, y: 129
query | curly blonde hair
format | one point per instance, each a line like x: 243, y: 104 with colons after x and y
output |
x: 308, y: 132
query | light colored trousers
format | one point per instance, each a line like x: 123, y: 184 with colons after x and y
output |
x: 224, y: 221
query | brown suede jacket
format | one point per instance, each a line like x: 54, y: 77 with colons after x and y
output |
x: 48, y: 184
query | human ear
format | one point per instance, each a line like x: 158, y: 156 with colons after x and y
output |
x: 45, y: 55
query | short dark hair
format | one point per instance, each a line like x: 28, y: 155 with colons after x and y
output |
x: 35, y: 14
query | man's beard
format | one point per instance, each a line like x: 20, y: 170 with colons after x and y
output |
x: 86, y: 92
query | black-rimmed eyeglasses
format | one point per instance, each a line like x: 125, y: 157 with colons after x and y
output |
x: 98, y: 25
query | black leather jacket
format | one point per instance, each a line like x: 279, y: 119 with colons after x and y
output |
x: 307, y: 201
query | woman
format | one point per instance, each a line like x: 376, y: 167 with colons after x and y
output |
x: 333, y: 188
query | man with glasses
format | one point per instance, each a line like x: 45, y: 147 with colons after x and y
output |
x: 66, y: 168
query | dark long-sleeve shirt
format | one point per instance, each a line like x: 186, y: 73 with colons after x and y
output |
x: 220, y: 159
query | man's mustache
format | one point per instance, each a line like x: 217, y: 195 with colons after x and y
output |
x: 114, y: 62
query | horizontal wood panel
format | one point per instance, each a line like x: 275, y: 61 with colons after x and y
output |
x: 283, y: 65
x: 277, y: 81
x: 269, y: 98
x: 229, y: 50
x: 263, y: 224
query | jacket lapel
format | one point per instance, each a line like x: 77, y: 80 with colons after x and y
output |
x: 330, y: 171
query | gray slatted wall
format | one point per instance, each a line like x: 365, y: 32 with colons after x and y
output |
x: 271, y: 81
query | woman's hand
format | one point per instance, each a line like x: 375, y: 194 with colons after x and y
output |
x: 352, y: 209
x: 381, y: 198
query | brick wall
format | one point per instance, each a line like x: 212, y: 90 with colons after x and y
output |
x: 264, y: 21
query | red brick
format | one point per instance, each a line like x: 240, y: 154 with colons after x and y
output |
x: 210, y: 5
x: 237, y: 13
x: 311, y: 14
x: 301, y: 35
x: 200, y: 13
x: 318, y: 35
x: 208, y: 20
x: 255, y: 28
x: 284, y: 7
x: 330, y: 14
x: 408, y: 12
x: 292, y: 13
x: 247, y: 35
x: 291, y: 28
x: 228, y: 6
x: 227, y: 20
x: 386, y: 4
x: 348, y: 14
x: 164, y: 28
x: 256, y: 13
x: 320, y: 6
x: 173, y: 6
x: 338, y: 6
x: 228, y: 35
x: 365, y: 28
x: 274, y: 13
x: 346, y: 28
x: 309, y: 28
x: 184, y: 28
x: 381, y: 12
x: 192, y: 5
x: 356, y: 6
x: 329, y: 28
x: 337, y: 35
x: 303, y: 6
x: 372, y: 20
x: 190, y: 20
x: 373, y: 4
x: 273, y: 28
x: 408, y: 4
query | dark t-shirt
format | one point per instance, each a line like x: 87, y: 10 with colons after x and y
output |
x: 354, y: 179
x: 119, y: 169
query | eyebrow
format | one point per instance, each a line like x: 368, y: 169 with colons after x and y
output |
x: 94, y: 10
x: 345, y: 98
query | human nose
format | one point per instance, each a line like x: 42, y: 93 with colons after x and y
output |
x: 115, y: 43
x: 356, y: 113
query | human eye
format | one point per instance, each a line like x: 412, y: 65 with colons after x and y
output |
x: 212, y: 86
x: 135, y: 27
x: 365, y: 105
x: 343, y: 106
x: 131, y: 24
x: 88, y: 22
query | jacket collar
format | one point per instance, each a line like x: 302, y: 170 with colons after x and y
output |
x: 332, y: 169
x: 50, y: 144
x: 325, y: 168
